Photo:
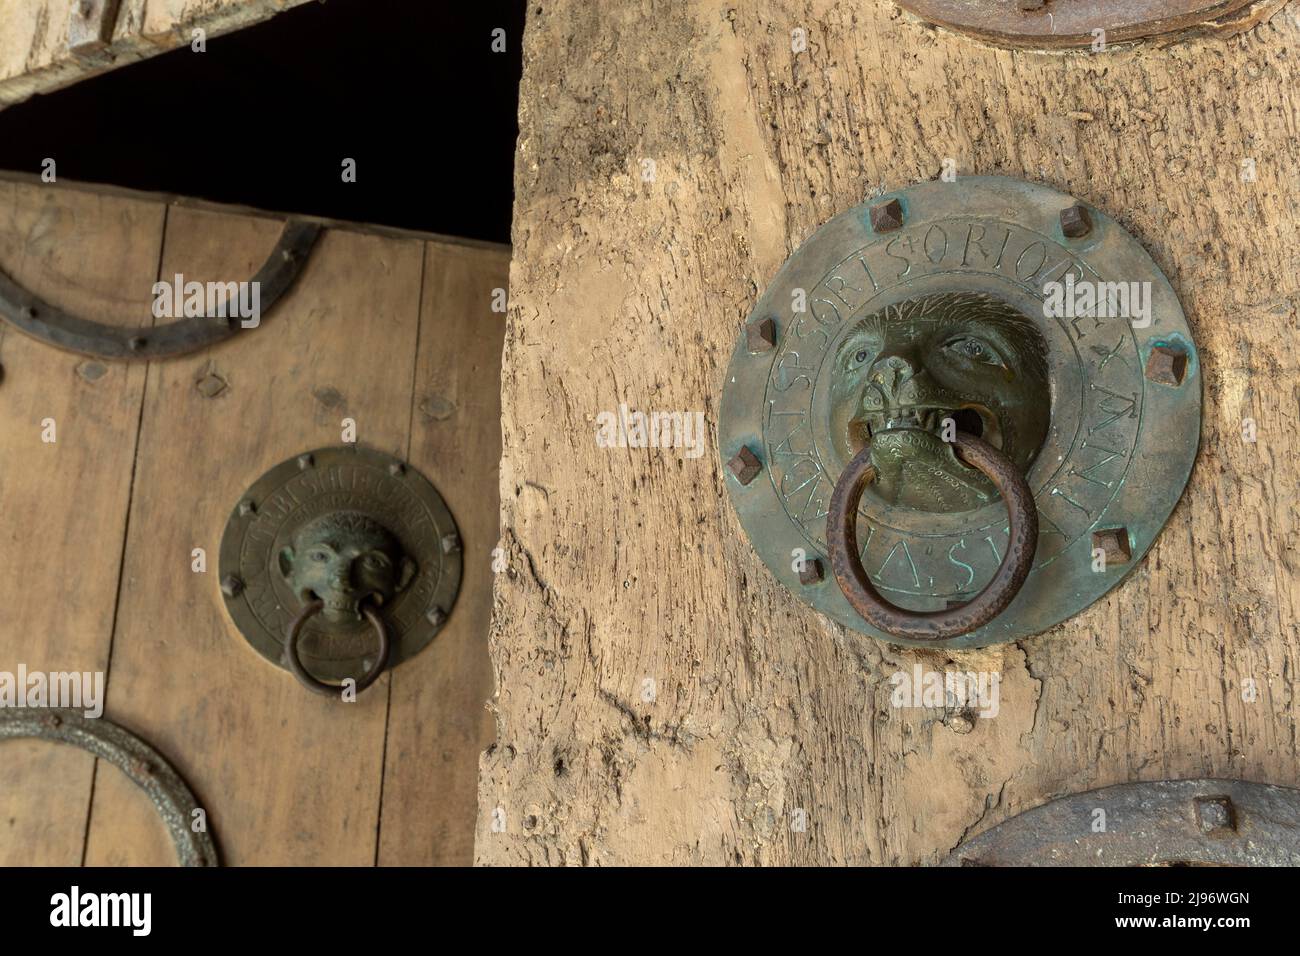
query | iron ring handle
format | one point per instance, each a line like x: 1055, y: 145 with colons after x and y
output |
x: 992, y: 600
x: 315, y: 684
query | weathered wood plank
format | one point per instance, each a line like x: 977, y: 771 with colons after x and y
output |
x: 64, y: 503
x: 286, y: 776
x: 47, y: 44
x: 627, y: 565
x: 438, y: 721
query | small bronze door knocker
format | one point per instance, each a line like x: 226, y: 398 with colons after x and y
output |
x: 979, y: 400
x: 339, y: 564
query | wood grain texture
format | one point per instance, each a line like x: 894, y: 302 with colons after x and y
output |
x: 63, y: 503
x: 438, y: 723
x: 36, y: 54
x: 393, y: 330
x: 630, y: 564
x: 340, y: 345
x: 32, y: 32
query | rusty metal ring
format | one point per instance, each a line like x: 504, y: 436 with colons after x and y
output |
x: 319, y: 686
x: 144, y: 765
x: 992, y: 600
x: 36, y: 317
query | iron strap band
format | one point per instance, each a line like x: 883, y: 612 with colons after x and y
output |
x: 52, y: 325
x: 1205, y: 822
x: 992, y: 600
x: 135, y: 758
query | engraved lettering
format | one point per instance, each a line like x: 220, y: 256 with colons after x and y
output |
x: 927, y: 245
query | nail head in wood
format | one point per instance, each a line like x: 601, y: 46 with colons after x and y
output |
x: 90, y: 26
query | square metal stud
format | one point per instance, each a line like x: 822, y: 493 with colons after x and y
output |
x: 760, y: 336
x: 1167, y: 365
x: 887, y: 216
x: 1113, y: 543
x: 1216, y: 816
x: 812, y: 572
x: 745, y: 466
x: 1075, y: 222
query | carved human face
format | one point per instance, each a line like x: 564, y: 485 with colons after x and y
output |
x: 901, y: 371
x: 343, y: 558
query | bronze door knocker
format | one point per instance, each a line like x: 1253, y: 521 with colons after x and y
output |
x: 338, y: 564
x: 979, y: 401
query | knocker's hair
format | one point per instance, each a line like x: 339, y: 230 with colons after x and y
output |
x: 947, y: 310
x: 347, y: 522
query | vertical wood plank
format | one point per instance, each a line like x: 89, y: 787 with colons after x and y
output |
x: 438, y: 721
x: 64, y: 504
x: 286, y: 777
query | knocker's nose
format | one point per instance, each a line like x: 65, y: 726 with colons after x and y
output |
x: 890, y: 372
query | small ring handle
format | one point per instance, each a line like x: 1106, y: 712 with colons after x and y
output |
x: 315, y: 684
x: 992, y: 600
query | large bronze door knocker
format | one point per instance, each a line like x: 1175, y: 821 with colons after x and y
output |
x: 979, y: 401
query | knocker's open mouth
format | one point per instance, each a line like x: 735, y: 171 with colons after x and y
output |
x: 971, y: 419
x: 926, y: 417
x: 339, y: 604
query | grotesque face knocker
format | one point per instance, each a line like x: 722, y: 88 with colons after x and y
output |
x: 978, y: 404
x: 342, y: 559
x: 943, y: 362
x: 339, y: 563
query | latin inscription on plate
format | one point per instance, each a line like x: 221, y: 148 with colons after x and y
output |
x: 1078, y: 470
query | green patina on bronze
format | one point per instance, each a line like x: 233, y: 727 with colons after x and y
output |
x: 343, y: 558
x: 350, y: 534
x: 900, y: 372
x: 935, y: 311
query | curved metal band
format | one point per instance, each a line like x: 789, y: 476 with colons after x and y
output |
x: 846, y: 562
x: 135, y: 758
x: 319, y: 686
x: 1203, y: 822
x: 50, y: 324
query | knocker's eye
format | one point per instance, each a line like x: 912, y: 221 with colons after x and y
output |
x: 867, y: 349
x: 319, y: 556
x: 375, y: 561
x: 975, y: 350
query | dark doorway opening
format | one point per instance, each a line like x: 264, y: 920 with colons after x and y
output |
x: 412, y: 90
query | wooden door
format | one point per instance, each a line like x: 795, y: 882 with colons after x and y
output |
x: 394, y: 330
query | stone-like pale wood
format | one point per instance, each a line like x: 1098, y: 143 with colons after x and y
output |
x: 35, y: 56
x: 630, y: 564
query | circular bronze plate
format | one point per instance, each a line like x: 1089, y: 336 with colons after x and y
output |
x: 1063, y: 24
x: 1164, y: 823
x: 346, y: 478
x: 1116, y: 456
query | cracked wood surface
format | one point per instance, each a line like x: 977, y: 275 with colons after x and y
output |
x: 627, y: 565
